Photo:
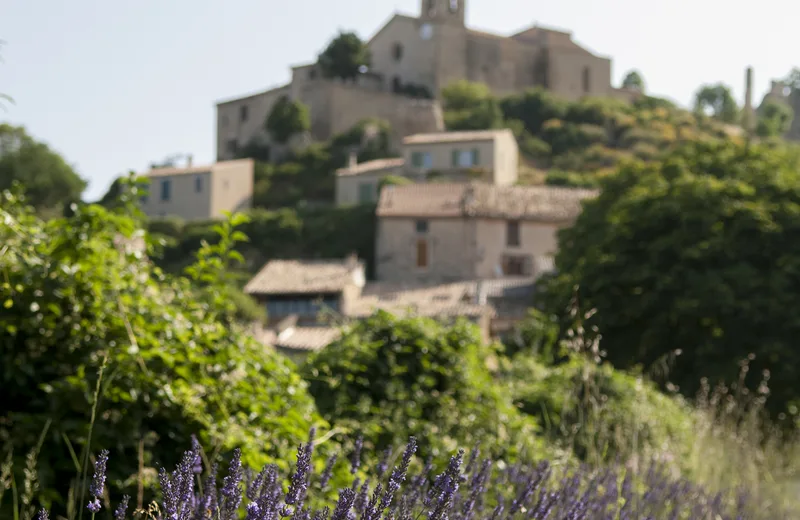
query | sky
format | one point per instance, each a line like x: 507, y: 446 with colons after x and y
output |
x: 113, y: 85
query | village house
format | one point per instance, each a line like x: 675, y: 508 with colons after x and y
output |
x: 199, y: 192
x: 490, y: 156
x: 308, y: 301
x: 447, y: 232
x: 415, y: 54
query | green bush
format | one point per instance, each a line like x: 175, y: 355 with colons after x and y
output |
x: 72, y: 303
x: 389, y: 378
x: 600, y: 413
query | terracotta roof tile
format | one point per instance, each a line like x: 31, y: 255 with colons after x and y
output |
x: 371, y: 166
x: 304, y: 276
x: 455, y: 137
x: 430, y: 300
x: 539, y: 203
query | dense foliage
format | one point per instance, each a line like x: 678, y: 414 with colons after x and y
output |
x: 388, y: 378
x: 345, y: 57
x: 691, y: 265
x: 717, y: 101
x: 462, y: 490
x: 287, y: 118
x: 50, y: 183
x: 94, y: 333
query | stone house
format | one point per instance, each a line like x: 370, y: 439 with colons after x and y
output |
x: 426, y: 52
x: 308, y: 301
x: 488, y: 155
x: 448, y: 232
x: 199, y: 192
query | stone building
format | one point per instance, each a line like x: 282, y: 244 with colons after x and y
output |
x: 486, y: 155
x: 307, y: 301
x: 427, y: 52
x: 199, y: 192
x: 447, y: 232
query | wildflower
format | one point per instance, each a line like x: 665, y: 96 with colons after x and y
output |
x: 231, y: 488
x: 299, y: 485
x: 122, y: 508
x: 355, y: 461
x: 98, y: 481
x: 327, y: 472
x: 343, y: 506
x: 43, y: 515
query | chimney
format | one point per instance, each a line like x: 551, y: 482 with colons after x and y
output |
x: 480, y: 293
x: 189, y: 159
x: 352, y: 160
x: 748, y: 101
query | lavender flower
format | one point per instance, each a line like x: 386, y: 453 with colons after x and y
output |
x: 343, y: 506
x: 299, y: 483
x: 43, y: 515
x: 327, y: 472
x: 98, y: 481
x: 355, y: 461
x: 122, y: 508
x: 231, y: 487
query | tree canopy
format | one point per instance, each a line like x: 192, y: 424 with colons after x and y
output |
x: 774, y: 119
x: 470, y: 106
x: 691, y: 264
x: 344, y: 57
x: 50, y: 182
x: 717, y: 101
x: 287, y: 118
x: 633, y: 80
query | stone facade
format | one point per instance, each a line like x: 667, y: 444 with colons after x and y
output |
x: 430, y: 51
x: 449, y: 232
x: 200, y: 192
x: 487, y: 155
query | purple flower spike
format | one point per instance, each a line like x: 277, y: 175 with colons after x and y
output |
x: 119, y: 514
x: 355, y: 462
x: 98, y: 482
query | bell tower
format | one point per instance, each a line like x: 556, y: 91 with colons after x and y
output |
x: 443, y: 11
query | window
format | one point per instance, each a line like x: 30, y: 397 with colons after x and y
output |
x: 465, y: 158
x: 397, y: 51
x: 516, y: 265
x: 243, y: 113
x: 232, y: 146
x: 422, y: 253
x: 512, y: 233
x: 282, y: 306
x: 198, y: 183
x: 587, y: 79
x: 421, y: 160
x: 365, y: 192
x: 166, y: 190
x: 422, y: 226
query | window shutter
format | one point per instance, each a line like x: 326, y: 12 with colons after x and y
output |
x: 416, y: 159
x: 455, y: 157
x: 475, y: 157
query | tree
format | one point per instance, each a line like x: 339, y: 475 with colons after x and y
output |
x: 774, y: 119
x: 50, y: 183
x: 470, y: 106
x: 345, y: 57
x: 690, y: 263
x: 717, y: 101
x: 286, y: 119
x: 633, y: 80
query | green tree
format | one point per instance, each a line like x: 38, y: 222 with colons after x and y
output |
x: 691, y: 266
x: 390, y: 377
x: 287, y: 118
x: 470, y: 106
x: 533, y: 108
x: 633, y: 80
x: 774, y: 119
x: 74, y: 299
x: 344, y: 57
x: 50, y: 183
x: 717, y: 101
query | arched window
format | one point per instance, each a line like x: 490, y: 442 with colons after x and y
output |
x: 453, y: 6
x: 587, y: 80
x: 397, y: 51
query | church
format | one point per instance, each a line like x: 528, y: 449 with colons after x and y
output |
x: 424, y: 53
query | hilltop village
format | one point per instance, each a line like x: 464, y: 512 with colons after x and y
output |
x: 459, y: 228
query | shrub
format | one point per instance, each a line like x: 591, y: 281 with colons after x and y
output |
x: 389, y: 377
x: 173, y: 363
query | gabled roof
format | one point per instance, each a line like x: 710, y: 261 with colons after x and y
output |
x: 162, y: 172
x: 481, y: 200
x: 457, y: 137
x: 305, y: 276
x: 371, y: 166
